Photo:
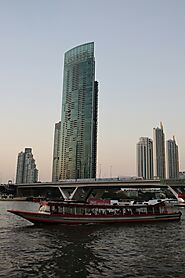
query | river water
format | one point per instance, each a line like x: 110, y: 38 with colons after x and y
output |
x: 122, y: 250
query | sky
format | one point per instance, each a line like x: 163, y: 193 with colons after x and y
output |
x: 140, y: 67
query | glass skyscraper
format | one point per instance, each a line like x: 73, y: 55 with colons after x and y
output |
x: 159, y: 153
x: 145, y: 158
x: 79, y: 114
x: 172, y: 159
x: 26, y: 167
x: 56, y: 152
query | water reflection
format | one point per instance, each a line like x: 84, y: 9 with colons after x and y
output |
x: 134, y: 250
x: 142, y: 250
x: 50, y: 251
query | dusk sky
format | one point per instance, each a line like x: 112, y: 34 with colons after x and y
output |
x: 140, y: 67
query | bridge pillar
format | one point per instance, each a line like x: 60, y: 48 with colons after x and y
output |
x: 80, y: 194
x: 65, y: 194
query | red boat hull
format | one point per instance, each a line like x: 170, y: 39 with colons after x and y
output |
x: 36, y: 218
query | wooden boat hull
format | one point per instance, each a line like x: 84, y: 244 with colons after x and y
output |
x: 36, y: 218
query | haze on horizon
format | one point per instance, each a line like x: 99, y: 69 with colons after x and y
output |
x: 140, y: 67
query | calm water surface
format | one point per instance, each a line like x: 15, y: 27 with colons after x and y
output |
x: 134, y: 250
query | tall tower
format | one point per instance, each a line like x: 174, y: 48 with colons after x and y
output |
x: 159, y: 152
x: 79, y: 114
x: 145, y: 158
x: 56, y: 152
x: 26, y: 167
x: 172, y: 159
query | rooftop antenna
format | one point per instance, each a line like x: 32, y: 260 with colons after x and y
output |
x: 161, y: 125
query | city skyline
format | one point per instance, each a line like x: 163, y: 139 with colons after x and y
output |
x: 140, y: 67
x: 157, y: 158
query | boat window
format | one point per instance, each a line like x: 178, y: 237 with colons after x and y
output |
x: 150, y: 209
x: 54, y: 209
x: 78, y: 210
x: 162, y: 209
x: 128, y: 210
x: 156, y: 209
x: 88, y: 211
x: 60, y: 209
x: 69, y: 210
x: 44, y: 208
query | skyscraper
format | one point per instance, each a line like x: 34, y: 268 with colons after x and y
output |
x: 56, y: 152
x: 79, y: 114
x: 145, y: 158
x: 172, y: 159
x: 159, y: 152
x: 26, y: 167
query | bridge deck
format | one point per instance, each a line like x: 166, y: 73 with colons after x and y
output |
x: 100, y: 183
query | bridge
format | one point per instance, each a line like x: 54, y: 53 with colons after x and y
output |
x: 81, y: 190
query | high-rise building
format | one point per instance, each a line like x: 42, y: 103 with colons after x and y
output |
x: 182, y: 175
x: 172, y: 159
x: 56, y: 152
x: 79, y: 114
x: 26, y: 167
x: 159, y: 152
x: 145, y: 158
